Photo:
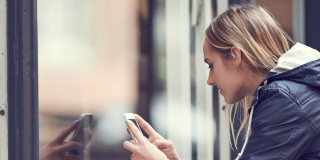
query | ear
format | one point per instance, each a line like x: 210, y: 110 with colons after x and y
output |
x: 236, y: 54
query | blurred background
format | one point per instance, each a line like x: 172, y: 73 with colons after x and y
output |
x: 109, y: 57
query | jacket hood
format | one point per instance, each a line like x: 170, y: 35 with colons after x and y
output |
x: 298, y: 55
x: 300, y: 64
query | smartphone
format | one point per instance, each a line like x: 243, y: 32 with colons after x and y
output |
x: 130, y: 116
x: 79, y: 133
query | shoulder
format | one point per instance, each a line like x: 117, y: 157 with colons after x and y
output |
x: 285, y: 100
x: 275, y: 106
x: 299, y: 93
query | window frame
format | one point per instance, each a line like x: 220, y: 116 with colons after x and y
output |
x: 22, y: 80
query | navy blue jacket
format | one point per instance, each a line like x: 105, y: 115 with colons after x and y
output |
x: 286, y: 116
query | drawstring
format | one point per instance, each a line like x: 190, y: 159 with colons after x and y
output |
x: 249, y: 126
x: 248, y: 132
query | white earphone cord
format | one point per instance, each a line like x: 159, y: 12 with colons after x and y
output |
x: 248, y: 132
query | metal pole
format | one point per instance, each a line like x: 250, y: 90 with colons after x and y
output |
x: 146, y: 62
x: 23, y: 129
x: 299, y: 22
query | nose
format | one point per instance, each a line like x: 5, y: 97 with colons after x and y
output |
x: 210, y: 80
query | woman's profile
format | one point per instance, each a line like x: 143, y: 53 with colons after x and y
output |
x: 256, y: 66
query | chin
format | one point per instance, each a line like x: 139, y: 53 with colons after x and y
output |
x: 230, y: 101
x: 227, y: 100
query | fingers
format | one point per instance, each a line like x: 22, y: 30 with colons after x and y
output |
x: 163, y: 144
x: 133, y: 141
x: 71, y: 146
x: 132, y: 155
x: 130, y: 146
x: 65, y: 133
x: 147, y: 127
x: 135, y: 131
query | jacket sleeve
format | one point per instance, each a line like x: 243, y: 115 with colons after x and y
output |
x: 279, y: 128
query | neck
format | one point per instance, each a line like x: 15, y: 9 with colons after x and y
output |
x: 256, y: 81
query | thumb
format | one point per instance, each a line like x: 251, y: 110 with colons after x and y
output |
x: 163, y: 144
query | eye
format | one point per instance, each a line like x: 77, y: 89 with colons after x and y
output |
x: 210, y: 66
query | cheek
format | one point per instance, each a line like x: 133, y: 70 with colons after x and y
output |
x: 231, y: 88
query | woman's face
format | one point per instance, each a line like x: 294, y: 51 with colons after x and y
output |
x: 224, y: 74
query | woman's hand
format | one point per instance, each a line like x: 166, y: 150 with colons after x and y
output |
x: 166, y: 146
x: 58, y: 149
x: 155, y: 138
x: 144, y: 150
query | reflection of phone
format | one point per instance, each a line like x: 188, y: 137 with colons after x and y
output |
x: 130, y: 116
x: 79, y: 135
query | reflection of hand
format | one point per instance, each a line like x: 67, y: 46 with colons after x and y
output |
x: 155, y: 138
x: 58, y: 149
x: 144, y: 150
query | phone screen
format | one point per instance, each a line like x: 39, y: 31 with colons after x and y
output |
x: 79, y: 134
x: 84, y: 124
x: 135, y: 122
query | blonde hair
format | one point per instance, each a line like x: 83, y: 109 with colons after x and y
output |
x: 261, y: 41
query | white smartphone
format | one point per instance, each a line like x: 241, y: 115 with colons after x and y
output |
x: 79, y: 135
x: 130, y: 116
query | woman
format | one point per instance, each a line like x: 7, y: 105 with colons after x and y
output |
x: 254, y: 63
